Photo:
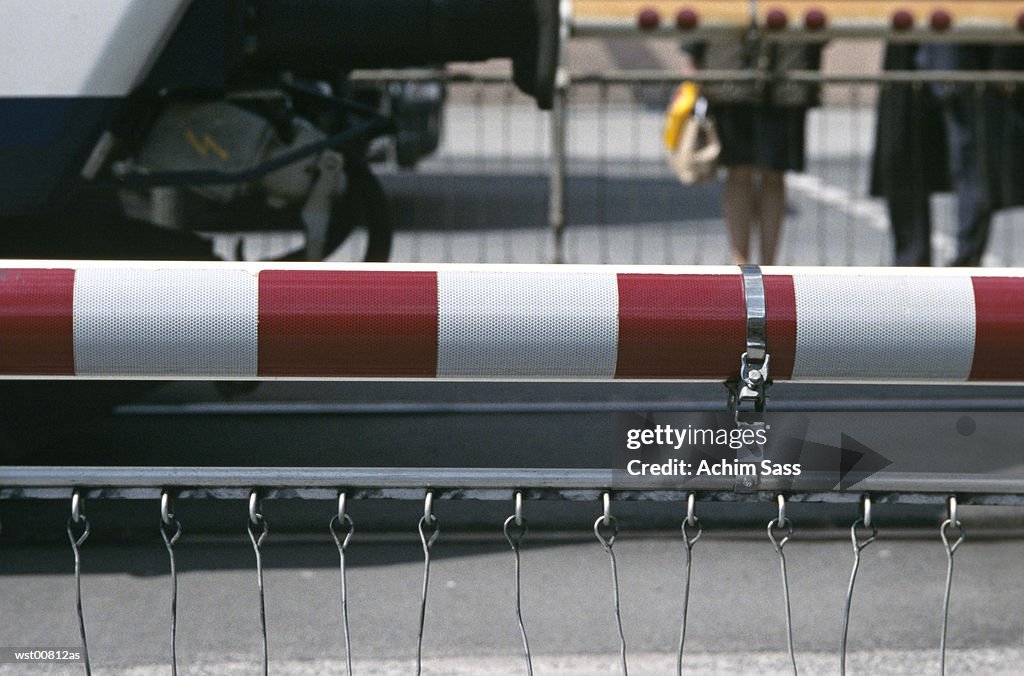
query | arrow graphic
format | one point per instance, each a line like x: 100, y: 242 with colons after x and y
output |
x: 834, y: 467
x: 857, y: 462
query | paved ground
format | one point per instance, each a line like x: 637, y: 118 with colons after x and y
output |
x: 735, y: 623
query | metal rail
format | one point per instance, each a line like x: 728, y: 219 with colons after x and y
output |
x: 647, y: 76
x: 461, y: 483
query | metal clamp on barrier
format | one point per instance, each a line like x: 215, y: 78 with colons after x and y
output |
x: 749, y: 393
x: 747, y: 396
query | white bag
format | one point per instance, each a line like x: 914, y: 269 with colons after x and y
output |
x: 695, y: 159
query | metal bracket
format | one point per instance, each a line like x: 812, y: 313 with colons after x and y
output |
x: 316, y: 212
x: 749, y: 392
x: 747, y: 396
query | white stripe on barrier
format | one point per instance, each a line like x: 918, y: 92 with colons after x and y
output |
x: 515, y: 324
x: 166, y: 322
x: 883, y: 327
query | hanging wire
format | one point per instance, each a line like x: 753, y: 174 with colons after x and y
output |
x: 514, y: 539
x: 78, y: 519
x: 784, y: 525
x: 257, y: 522
x: 427, y: 520
x: 170, y: 531
x: 342, y: 528
x: 691, y: 521
x: 608, y: 521
x: 951, y: 522
x: 858, y: 545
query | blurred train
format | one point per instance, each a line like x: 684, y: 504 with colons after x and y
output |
x: 127, y: 126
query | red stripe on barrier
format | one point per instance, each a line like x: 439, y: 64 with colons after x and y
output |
x: 780, y: 306
x: 37, y: 333
x: 999, y: 328
x: 680, y: 326
x: 347, y: 323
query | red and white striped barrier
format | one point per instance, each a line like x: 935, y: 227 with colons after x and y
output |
x: 236, y: 320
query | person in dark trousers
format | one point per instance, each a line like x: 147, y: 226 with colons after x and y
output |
x: 910, y: 161
x: 985, y: 138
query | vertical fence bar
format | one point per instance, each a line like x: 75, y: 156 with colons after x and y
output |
x: 556, y: 187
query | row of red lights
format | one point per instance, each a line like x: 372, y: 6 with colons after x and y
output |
x: 814, y: 19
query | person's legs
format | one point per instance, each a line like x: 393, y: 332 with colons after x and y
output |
x: 966, y: 154
x: 738, y: 206
x: 911, y: 218
x: 772, y: 211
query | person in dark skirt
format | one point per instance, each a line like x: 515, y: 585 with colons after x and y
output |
x: 761, y: 127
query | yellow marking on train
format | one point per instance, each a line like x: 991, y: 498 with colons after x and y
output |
x: 206, y: 145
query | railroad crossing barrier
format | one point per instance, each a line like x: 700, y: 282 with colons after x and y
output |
x: 85, y: 319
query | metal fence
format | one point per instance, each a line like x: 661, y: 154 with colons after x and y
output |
x: 589, y: 183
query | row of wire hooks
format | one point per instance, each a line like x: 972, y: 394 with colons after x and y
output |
x: 692, y: 531
x: 863, y: 532
x: 859, y: 543
x: 170, y: 531
x: 515, y: 528
x: 782, y: 526
x: 78, y: 521
x: 607, y: 540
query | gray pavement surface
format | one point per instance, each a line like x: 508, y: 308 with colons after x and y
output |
x: 735, y: 620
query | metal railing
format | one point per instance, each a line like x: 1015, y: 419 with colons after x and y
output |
x: 589, y: 182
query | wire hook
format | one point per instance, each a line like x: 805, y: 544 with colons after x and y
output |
x: 953, y: 522
x: 170, y: 531
x: 786, y: 526
x: 858, y: 545
x: 255, y: 507
x: 428, y: 508
x: 77, y: 502
x: 514, y: 540
x: 427, y: 541
x: 342, y: 498
x: 606, y: 519
x: 256, y: 520
x: 76, y: 542
x: 166, y: 508
x: 341, y: 526
x: 690, y: 521
x: 517, y: 518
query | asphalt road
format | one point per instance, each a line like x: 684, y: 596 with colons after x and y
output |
x: 735, y: 621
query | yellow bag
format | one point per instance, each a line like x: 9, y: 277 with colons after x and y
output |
x: 690, y: 137
x: 678, y: 113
